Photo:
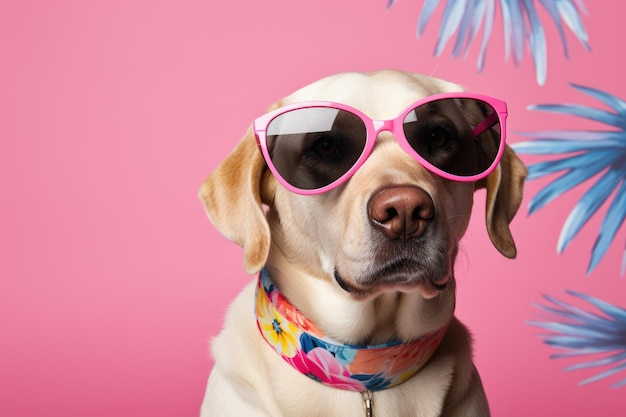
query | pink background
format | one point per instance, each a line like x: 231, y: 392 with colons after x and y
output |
x: 112, y: 280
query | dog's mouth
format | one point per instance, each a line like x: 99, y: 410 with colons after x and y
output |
x: 401, y: 275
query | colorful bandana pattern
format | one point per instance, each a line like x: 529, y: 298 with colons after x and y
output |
x: 354, y: 368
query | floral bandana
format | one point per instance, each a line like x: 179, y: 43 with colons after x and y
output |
x: 350, y: 367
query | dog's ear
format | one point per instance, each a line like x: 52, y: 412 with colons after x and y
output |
x: 233, y: 202
x: 505, y: 187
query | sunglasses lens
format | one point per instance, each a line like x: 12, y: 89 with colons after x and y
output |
x: 460, y: 136
x: 313, y: 147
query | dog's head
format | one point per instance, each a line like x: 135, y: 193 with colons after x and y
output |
x: 393, y: 226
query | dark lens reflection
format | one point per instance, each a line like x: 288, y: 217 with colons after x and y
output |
x: 312, y: 147
x: 460, y: 136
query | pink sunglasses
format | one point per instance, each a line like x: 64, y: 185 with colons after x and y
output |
x: 315, y: 146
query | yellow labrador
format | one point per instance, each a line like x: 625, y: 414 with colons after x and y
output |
x: 355, y: 222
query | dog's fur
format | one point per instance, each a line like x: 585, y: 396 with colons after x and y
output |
x: 324, y: 253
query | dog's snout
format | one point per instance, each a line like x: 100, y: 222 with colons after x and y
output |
x: 401, y: 212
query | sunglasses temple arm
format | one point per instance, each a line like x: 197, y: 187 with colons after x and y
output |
x: 488, y: 123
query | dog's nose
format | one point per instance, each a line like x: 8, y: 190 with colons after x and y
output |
x: 401, y: 212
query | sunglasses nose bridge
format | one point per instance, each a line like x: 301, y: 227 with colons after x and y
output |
x: 385, y: 126
x: 378, y: 125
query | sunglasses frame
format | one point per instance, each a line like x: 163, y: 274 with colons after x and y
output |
x: 375, y: 127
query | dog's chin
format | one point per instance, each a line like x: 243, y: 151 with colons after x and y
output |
x: 394, y: 279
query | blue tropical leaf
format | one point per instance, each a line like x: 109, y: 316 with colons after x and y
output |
x: 587, y: 206
x: 552, y: 8
x: 588, y: 147
x: 607, y: 374
x: 565, y: 310
x: 609, y: 360
x: 464, y: 29
x: 489, y: 15
x: 520, y: 21
x: 581, y: 332
x: 576, y: 140
x: 427, y: 10
x: 571, y: 179
x: 624, y: 262
x: 570, y: 14
x: 537, y: 42
x: 612, y: 311
x: 513, y: 23
x: 602, y: 116
x: 480, y: 8
x: 452, y: 18
x: 579, y: 156
x: 541, y: 169
x: 612, y: 221
x: 610, y: 100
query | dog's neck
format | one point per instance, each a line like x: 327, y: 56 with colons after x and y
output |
x: 350, y: 367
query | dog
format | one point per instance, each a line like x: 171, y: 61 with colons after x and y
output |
x: 355, y: 301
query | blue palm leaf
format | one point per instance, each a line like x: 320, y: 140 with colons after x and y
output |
x: 612, y: 311
x: 537, y: 42
x: 555, y: 143
x: 520, y: 21
x: 514, y: 29
x: 599, y: 115
x: 489, y: 15
x: 480, y: 8
x: 610, y: 100
x: 587, y: 206
x: 579, y: 156
x: 552, y: 8
x: 624, y: 262
x: 608, y: 373
x: 564, y: 183
x: 427, y: 10
x: 582, y: 332
x: 452, y: 18
x: 571, y: 16
x: 541, y: 169
x: 468, y: 27
x: 612, y: 222
x: 565, y: 310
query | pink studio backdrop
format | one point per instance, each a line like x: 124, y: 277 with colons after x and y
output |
x: 112, y: 281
